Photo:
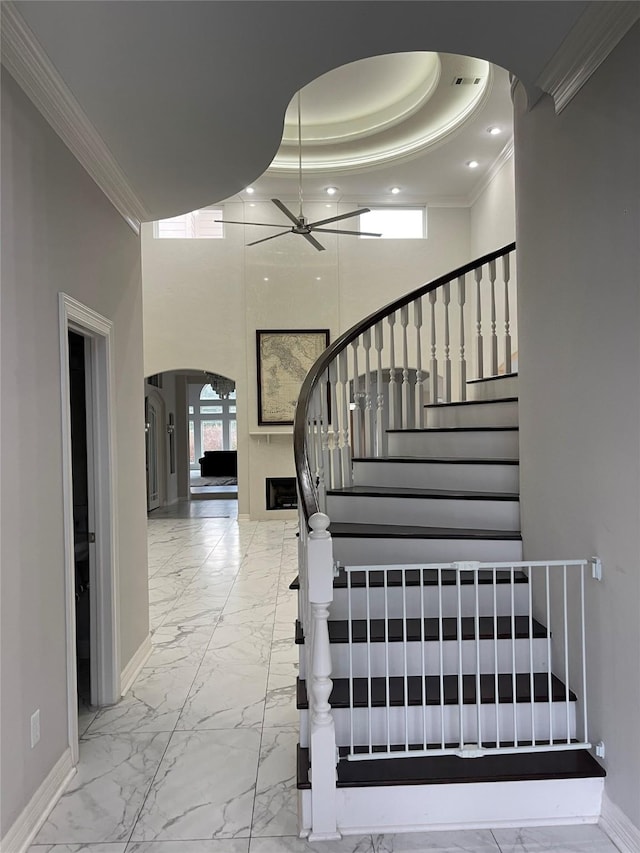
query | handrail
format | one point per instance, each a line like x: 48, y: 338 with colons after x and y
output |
x: 308, y: 496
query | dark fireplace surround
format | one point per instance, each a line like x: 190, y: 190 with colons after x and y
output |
x: 281, y: 493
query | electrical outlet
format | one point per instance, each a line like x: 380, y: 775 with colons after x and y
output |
x: 35, y: 728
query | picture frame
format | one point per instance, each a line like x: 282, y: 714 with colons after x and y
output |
x: 284, y: 358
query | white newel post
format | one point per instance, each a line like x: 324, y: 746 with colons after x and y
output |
x: 322, y: 740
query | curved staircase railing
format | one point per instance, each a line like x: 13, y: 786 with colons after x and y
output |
x: 380, y: 373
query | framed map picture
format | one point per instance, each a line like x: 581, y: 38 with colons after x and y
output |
x: 285, y: 356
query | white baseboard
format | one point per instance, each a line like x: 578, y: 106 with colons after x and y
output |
x: 28, y: 824
x: 472, y: 805
x: 131, y: 670
x: 244, y: 516
x: 614, y: 822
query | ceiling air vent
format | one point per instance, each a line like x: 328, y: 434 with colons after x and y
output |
x: 466, y: 81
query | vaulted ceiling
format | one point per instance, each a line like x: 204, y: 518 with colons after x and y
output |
x: 190, y: 96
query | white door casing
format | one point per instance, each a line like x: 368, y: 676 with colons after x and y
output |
x: 98, y: 332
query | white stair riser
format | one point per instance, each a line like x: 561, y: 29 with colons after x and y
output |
x: 355, y: 551
x: 425, y: 512
x: 493, y: 389
x: 431, y: 607
x: 470, y: 805
x: 438, y: 475
x: 342, y: 665
x: 500, y: 444
x: 375, y: 725
x: 482, y: 414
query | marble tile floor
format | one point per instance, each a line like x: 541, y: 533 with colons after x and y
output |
x: 199, y: 757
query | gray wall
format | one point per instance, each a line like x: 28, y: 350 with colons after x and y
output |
x: 578, y: 186
x: 59, y: 233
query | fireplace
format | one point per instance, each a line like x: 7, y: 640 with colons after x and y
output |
x: 281, y: 493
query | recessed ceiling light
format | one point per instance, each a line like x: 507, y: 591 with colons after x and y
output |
x: 250, y: 190
x: 395, y: 190
x: 472, y: 164
x: 266, y: 278
x: 328, y: 205
x: 494, y: 131
x: 331, y: 190
x: 252, y: 204
x: 318, y: 278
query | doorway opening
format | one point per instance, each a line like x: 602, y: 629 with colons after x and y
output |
x: 191, y: 441
x: 83, y: 524
x: 155, y: 451
x: 213, y: 438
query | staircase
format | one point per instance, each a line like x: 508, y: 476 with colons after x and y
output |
x: 442, y: 678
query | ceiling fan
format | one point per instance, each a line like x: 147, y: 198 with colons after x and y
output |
x: 300, y: 224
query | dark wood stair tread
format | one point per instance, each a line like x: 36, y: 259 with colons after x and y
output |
x: 339, y: 629
x: 412, y: 578
x: 426, y: 494
x: 491, y: 378
x: 463, y: 403
x: 354, y: 529
x: 449, y: 769
x: 435, y: 460
x: 459, y: 429
x: 340, y: 697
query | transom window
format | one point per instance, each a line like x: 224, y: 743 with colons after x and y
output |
x: 197, y: 225
x: 212, y: 422
x: 395, y: 223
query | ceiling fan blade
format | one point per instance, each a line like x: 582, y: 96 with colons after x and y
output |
x: 273, y: 236
x: 342, y: 216
x: 340, y: 231
x: 286, y: 211
x: 314, y: 242
x: 238, y: 222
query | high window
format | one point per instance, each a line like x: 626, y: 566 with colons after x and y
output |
x: 212, y: 422
x: 395, y: 223
x: 197, y: 225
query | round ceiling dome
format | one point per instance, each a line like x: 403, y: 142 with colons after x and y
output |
x: 363, y: 97
x: 380, y: 109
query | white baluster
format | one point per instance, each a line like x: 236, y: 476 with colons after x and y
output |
x: 368, y: 400
x: 393, y: 385
x: 506, y: 274
x: 314, y: 463
x: 357, y: 400
x: 446, y: 299
x: 345, y: 415
x: 419, y: 391
x: 462, y: 298
x: 322, y: 741
x: 433, y: 361
x: 380, y: 433
x: 325, y: 458
x: 494, y: 336
x: 337, y: 480
x: 479, y: 344
x: 406, y: 385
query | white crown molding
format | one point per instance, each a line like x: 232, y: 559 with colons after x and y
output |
x: 614, y: 822
x: 24, y: 830
x: 26, y: 61
x: 590, y: 41
x: 498, y: 164
x: 445, y: 201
